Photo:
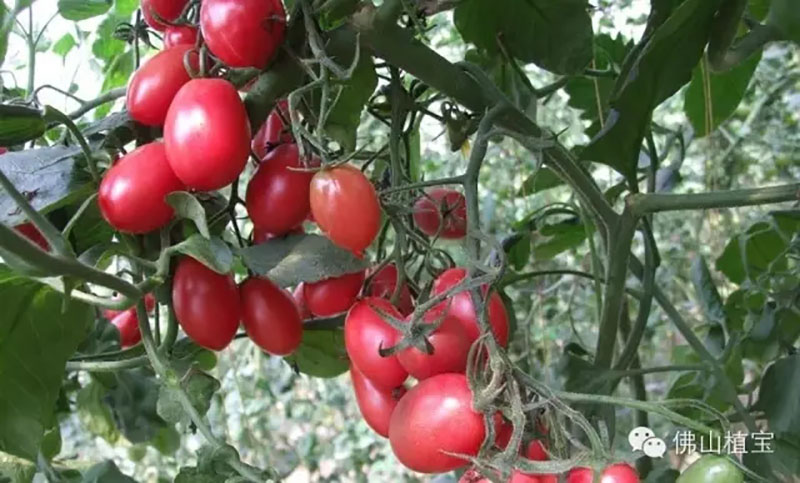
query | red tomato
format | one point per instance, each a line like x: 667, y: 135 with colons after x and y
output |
x: 207, y: 134
x: 131, y: 195
x: 270, y: 316
x: 376, y: 404
x: 29, y: 231
x: 277, y: 195
x: 262, y: 236
x: 616, y: 473
x: 300, y: 301
x: 206, y: 304
x: 383, y: 284
x: 442, y: 206
x: 345, y: 206
x: 450, y: 349
x: 168, y: 10
x: 128, y: 324
x: 180, y: 35
x: 365, y: 332
x: 3, y: 150
x: 155, y: 84
x: 433, y: 417
x: 333, y: 295
x: 273, y: 132
x: 460, y: 306
x: 243, y: 33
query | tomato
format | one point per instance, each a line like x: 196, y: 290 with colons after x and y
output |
x: 365, y: 332
x: 168, y: 10
x: 128, y: 324
x: 180, y: 35
x: 711, y: 469
x: 376, y: 404
x: 262, y: 236
x: 383, y: 284
x: 155, y: 83
x: 273, y: 132
x: 616, y: 473
x: 436, y: 416
x: 277, y: 197
x: 270, y: 316
x: 207, y: 134
x: 300, y: 301
x: 332, y: 295
x: 345, y: 206
x: 3, y: 150
x: 132, y: 192
x: 243, y: 33
x: 442, y: 207
x: 460, y: 306
x: 206, y: 304
x: 450, y: 348
x: 29, y: 231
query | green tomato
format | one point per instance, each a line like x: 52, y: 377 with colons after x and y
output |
x: 711, y: 469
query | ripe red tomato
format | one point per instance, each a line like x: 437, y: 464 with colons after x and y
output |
x: 131, y: 195
x: 277, y: 197
x: 450, y: 349
x: 460, y: 306
x: 365, y: 332
x: 180, y: 35
x: 273, y: 132
x: 383, y: 284
x: 332, y: 295
x: 300, y: 301
x: 243, y: 33
x: 207, y: 134
x: 616, y: 473
x: 128, y: 324
x: 155, y: 84
x: 29, y: 231
x: 3, y: 150
x: 270, y: 316
x: 345, y: 206
x: 261, y: 236
x: 436, y: 416
x: 376, y: 404
x: 206, y: 304
x: 443, y: 207
x: 168, y: 10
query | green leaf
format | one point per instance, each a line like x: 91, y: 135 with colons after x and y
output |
x: 187, y: 206
x: 779, y: 397
x: 730, y: 261
x: 555, y: 35
x: 557, y: 238
x: 321, y: 354
x: 334, y: 13
x: 706, y: 291
x: 132, y: 400
x: 20, y: 124
x: 106, y: 46
x: 543, y: 179
x: 106, y: 472
x: 709, y: 102
x: 199, y: 387
x: 662, y: 67
x: 64, y: 45
x: 300, y: 258
x: 48, y: 177
x: 94, y: 414
x: 759, y: 8
x: 520, y: 252
x: 125, y: 8
x: 82, y: 9
x: 39, y: 331
x: 213, y: 253
x: 345, y: 114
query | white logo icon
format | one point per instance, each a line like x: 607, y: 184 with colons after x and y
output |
x: 644, y: 439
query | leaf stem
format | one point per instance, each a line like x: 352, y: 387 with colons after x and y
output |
x: 643, y: 203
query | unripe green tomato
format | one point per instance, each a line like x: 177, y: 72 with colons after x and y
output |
x: 711, y: 469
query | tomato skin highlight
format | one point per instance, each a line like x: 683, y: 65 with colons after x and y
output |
x: 375, y: 404
x: 443, y: 207
x: 270, y: 316
x: 243, y: 33
x: 206, y: 304
x: 277, y: 196
x: 29, y: 231
x: 168, y: 10
x: 365, y: 332
x: 333, y: 295
x: 711, y: 469
x: 383, y: 284
x: 180, y: 35
x: 207, y: 134
x: 345, y: 206
x: 436, y: 415
x: 273, y: 132
x: 132, y: 192
x: 154, y: 85
x: 450, y: 349
x: 460, y: 306
x: 616, y: 473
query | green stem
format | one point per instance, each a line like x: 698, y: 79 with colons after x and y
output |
x: 658, y: 369
x: 423, y: 184
x: 641, y: 203
x: 52, y: 114
x: 104, y: 98
x: 108, y: 366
